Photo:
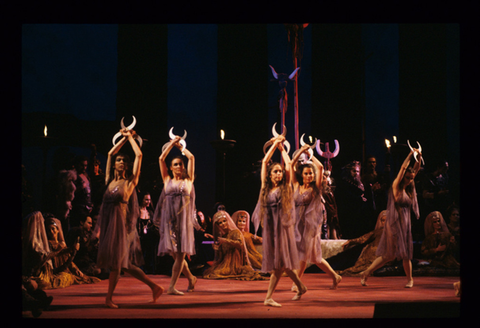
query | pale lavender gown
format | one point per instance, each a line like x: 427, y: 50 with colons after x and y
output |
x: 119, y: 244
x: 175, y: 216
x: 308, y: 227
x: 396, y: 240
x: 279, y: 248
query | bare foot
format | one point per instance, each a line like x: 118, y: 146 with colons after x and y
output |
x: 174, y: 292
x: 294, y: 288
x: 299, y: 293
x: 363, y: 279
x: 409, y: 284
x: 111, y: 305
x: 191, y: 284
x: 336, y: 281
x: 157, y: 291
x: 270, y: 302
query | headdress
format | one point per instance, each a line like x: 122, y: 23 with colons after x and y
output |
x: 428, y: 225
x: 236, y: 215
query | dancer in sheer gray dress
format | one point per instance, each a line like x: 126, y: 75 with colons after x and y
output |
x: 309, y: 212
x: 175, y: 214
x: 275, y: 210
x: 119, y: 244
x: 396, y: 240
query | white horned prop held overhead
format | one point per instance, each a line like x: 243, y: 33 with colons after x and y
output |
x: 130, y: 127
x: 415, y: 153
x: 182, y: 141
x: 275, y: 134
x: 303, y: 157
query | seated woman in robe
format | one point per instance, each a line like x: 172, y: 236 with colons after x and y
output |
x: 62, y: 272
x: 242, y: 221
x: 231, y: 257
x: 367, y: 256
x: 439, y: 244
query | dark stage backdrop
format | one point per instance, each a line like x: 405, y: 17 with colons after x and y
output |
x: 358, y: 83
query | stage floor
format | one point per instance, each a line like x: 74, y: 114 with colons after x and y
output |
x: 226, y: 299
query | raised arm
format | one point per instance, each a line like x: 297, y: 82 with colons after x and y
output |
x: 115, y: 149
x: 319, y: 174
x: 402, y: 170
x: 266, y: 159
x: 163, y: 157
x: 190, y: 164
x: 137, y: 164
x: 418, y: 164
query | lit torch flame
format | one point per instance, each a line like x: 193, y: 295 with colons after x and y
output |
x: 222, y: 134
x: 45, y: 131
x: 394, y: 139
x: 387, y: 143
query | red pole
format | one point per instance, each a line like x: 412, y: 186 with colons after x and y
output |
x: 295, y: 103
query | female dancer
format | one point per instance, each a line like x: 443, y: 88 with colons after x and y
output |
x: 119, y: 244
x: 396, y: 241
x: 309, y: 211
x: 175, y: 214
x: 276, y: 211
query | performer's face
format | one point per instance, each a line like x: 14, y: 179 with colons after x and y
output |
x: 222, y: 223
x: 177, y: 166
x: 276, y: 175
x: 82, y: 167
x: 308, y: 175
x: 87, y: 225
x: 147, y: 199
x: 408, y: 178
x: 436, y: 222
x: 119, y: 163
x: 242, y: 221
x: 52, y: 231
x: 355, y: 171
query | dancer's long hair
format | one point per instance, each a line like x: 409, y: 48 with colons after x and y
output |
x: 127, y: 163
x: 410, y: 188
x: 285, y: 190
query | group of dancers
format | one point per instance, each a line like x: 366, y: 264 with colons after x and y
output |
x: 289, y: 209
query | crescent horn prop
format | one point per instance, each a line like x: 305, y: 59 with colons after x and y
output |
x: 115, y: 137
x: 130, y: 126
x: 182, y: 141
x: 310, y: 150
x: 274, y: 131
x: 275, y: 134
x: 415, y: 152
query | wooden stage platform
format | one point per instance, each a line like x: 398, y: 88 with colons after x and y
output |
x: 431, y: 297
